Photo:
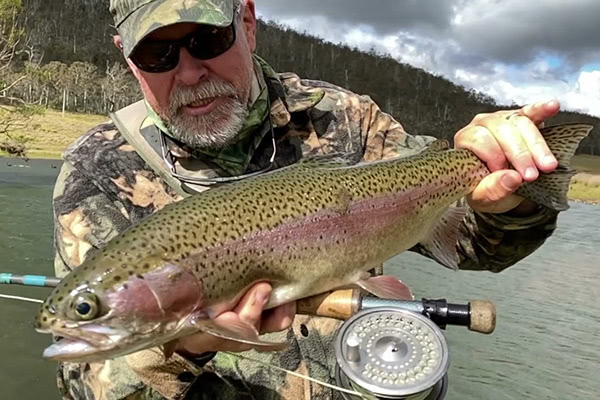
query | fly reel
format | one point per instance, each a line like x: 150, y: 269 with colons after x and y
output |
x: 392, y: 353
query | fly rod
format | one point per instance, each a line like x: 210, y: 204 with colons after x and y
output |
x: 478, y: 315
x: 28, y: 280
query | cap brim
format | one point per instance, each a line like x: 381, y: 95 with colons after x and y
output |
x: 161, y: 13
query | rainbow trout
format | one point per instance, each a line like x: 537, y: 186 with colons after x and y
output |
x: 306, y: 229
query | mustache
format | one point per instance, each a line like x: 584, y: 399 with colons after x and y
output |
x: 183, y: 95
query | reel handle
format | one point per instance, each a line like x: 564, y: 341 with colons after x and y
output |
x: 477, y: 315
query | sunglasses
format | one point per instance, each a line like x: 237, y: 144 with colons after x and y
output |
x: 205, y: 43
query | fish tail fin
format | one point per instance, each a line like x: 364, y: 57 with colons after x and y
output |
x: 551, y: 189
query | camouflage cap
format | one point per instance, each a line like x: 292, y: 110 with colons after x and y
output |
x: 135, y: 19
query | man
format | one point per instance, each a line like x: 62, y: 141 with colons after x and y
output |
x: 214, y: 112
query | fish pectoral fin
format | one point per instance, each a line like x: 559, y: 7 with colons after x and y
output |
x: 386, y: 287
x: 169, y: 348
x: 238, y: 331
x: 442, y: 240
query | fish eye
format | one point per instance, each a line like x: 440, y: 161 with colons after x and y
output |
x: 86, y: 306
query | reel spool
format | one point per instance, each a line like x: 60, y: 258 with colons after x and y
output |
x: 391, y: 353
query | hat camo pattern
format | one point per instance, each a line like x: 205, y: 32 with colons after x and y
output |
x: 135, y: 19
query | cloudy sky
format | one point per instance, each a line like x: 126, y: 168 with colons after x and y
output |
x: 514, y: 50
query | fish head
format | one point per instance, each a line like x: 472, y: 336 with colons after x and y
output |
x: 102, y: 313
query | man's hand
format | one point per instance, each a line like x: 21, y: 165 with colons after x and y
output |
x: 508, y: 137
x: 250, y: 310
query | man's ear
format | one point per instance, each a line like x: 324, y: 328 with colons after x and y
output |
x: 119, y: 44
x: 250, y: 24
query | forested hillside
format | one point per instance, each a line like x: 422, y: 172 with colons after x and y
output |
x: 66, y: 60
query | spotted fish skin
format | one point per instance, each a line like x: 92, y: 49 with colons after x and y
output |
x: 306, y: 229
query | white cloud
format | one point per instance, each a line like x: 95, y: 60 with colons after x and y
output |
x: 582, y: 95
x: 515, y: 51
x: 585, y: 95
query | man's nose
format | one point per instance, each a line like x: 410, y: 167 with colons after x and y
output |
x: 190, y: 70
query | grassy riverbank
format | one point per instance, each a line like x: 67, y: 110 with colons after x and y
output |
x: 51, y: 133
x: 585, y: 186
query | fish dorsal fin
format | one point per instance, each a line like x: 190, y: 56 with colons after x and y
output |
x: 437, y: 145
x: 334, y: 160
x: 442, y: 238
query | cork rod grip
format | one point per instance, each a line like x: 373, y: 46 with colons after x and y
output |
x: 341, y: 304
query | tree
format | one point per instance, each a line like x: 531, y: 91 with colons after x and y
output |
x: 15, y: 113
x: 84, y: 77
x: 118, y: 86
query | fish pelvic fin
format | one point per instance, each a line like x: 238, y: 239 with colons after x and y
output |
x: 551, y: 189
x: 238, y: 331
x: 441, y: 241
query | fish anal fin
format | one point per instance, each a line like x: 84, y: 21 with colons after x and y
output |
x: 238, y: 331
x: 442, y: 238
x: 386, y: 287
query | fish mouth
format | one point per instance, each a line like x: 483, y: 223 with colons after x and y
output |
x: 83, y: 343
x: 69, y: 350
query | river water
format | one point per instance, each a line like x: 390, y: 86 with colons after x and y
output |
x: 546, y: 345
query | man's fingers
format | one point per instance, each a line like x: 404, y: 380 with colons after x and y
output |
x: 480, y: 141
x: 543, y: 157
x: 279, y: 318
x: 514, y: 146
x: 251, y: 305
x: 495, y: 192
x: 541, y: 111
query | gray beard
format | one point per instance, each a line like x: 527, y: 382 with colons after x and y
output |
x: 214, y: 130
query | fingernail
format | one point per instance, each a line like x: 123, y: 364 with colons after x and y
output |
x: 262, y: 296
x: 289, y: 312
x: 509, y: 182
x: 531, y: 173
x: 549, y: 160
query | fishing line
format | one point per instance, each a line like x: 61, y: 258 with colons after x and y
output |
x: 6, y: 296
x: 308, y: 378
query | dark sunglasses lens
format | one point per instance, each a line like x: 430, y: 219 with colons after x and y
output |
x: 155, y: 56
x: 211, y: 42
x: 205, y: 43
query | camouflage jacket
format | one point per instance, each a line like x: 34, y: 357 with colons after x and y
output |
x: 105, y: 186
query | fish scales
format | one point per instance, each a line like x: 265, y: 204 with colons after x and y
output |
x: 226, y: 218
x: 306, y: 229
